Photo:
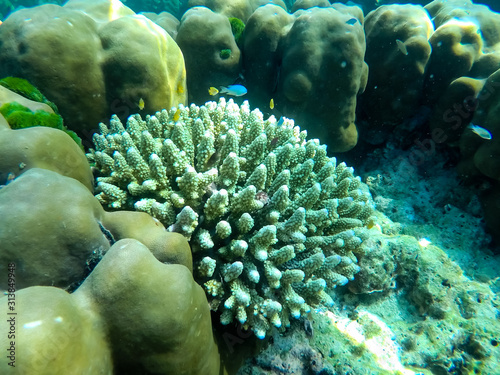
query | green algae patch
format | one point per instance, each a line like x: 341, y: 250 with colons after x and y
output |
x: 26, y: 89
x: 237, y: 28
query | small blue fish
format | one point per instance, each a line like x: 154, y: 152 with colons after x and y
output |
x: 352, y: 21
x: 234, y: 90
x: 281, y: 121
x: 482, y: 132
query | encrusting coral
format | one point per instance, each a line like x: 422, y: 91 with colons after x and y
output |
x: 273, y: 222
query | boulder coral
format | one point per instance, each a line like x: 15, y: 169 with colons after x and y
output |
x: 210, y: 50
x: 312, y: 65
x: 397, y: 53
x: 263, y: 33
x: 80, y: 230
x: 453, y: 111
x: 306, y: 4
x: 47, y: 161
x: 480, y: 157
x: 52, y: 231
x: 40, y: 147
x: 465, y: 52
x: 436, y: 57
x: 273, y: 222
x: 104, y: 58
x: 133, y: 314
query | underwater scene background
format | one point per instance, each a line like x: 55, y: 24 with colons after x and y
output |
x: 250, y: 187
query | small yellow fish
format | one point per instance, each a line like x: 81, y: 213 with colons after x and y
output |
x: 402, y: 47
x: 271, y: 103
x: 177, y: 115
x: 482, y: 132
x: 141, y: 104
x: 213, y: 91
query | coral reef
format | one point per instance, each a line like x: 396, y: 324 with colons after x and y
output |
x: 272, y: 220
x: 453, y: 89
x: 285, y: 243
x: 48, y: 162
x: 438, y: 60
x: 90, y: 330
x: 98, y: 73
x: 53, y: 232
x: 311, y: 64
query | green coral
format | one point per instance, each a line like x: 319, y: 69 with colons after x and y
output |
x: 237, y: 28
x: 273, y: 222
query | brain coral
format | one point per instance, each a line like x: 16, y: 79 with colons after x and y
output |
x: 273, y: 222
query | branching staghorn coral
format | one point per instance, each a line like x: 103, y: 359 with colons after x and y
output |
x: 273, y: 222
